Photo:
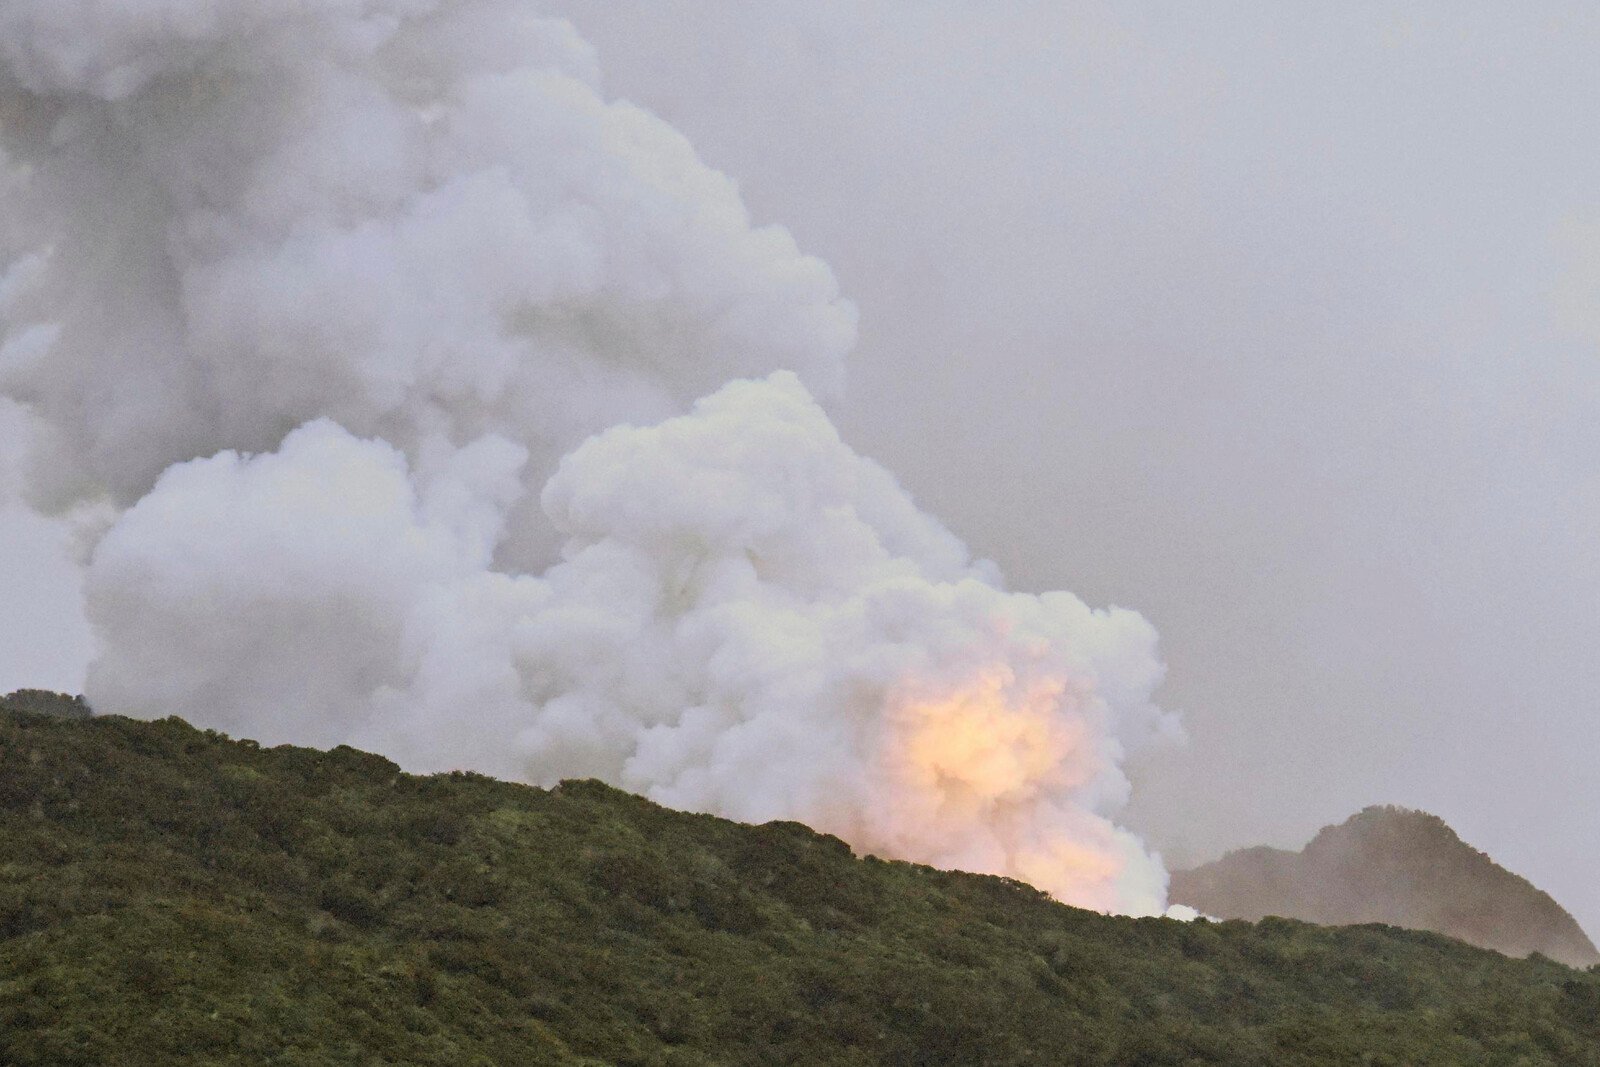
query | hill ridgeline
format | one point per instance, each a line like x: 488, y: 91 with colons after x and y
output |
x: 171, y: 896
x: 1390, y: 865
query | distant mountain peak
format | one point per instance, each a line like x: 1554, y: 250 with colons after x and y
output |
x: 1393, y: 865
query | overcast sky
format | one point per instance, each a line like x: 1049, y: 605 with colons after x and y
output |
x: 1279, y: 326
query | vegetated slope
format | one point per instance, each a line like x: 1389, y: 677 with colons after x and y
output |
x: 44, y: 702
x: 169, y: 896
x: 1390, y: 865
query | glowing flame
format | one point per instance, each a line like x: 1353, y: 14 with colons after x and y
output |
x: 990, y: 773
x: 985, y: 741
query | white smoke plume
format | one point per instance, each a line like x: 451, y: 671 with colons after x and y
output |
x: 421, y: 219
x: 314, y: 296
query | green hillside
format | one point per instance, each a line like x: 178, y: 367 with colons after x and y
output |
x: 169, y: 896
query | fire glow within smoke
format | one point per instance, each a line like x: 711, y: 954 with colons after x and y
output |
x: 369, y: 332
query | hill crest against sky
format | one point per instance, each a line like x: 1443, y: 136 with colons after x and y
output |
x: 1390, y: 865
x: 173, y: 896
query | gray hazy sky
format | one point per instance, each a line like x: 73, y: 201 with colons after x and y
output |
x: 1277, y: 325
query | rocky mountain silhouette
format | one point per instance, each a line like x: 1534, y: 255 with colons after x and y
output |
x: 1390, y: 865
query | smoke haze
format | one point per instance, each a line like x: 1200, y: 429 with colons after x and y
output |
x: 307, y: 303
x: 1277, y: 324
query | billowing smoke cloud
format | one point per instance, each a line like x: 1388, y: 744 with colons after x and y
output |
x: 315, y: 296
x: 748, y: 618
x: 419, y: 219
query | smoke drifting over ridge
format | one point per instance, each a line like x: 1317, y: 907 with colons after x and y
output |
x: 311, y: 299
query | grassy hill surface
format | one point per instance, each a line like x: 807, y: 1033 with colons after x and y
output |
x: 1390, y: 865
x: 169, y: 896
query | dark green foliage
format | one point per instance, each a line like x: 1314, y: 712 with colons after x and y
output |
x: 169, y: 896
x: 44, y: 702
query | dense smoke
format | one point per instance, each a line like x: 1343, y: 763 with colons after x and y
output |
x: 421, y: 220
x: 309, y: 300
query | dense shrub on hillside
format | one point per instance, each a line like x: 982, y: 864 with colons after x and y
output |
x: 170, y: 896
x: 44, y: 702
